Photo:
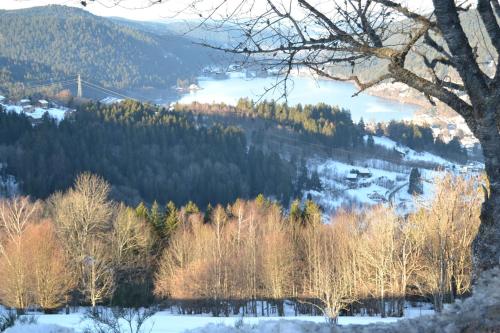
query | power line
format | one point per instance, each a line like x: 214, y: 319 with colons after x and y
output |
x: 50, y: 84
x: 79, y: 82
x: 106, y: 90
x: 46, y: 81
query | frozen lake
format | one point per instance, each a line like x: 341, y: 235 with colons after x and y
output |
x: 304, y: 90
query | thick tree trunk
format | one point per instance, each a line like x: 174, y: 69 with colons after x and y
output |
x: 486, y: 246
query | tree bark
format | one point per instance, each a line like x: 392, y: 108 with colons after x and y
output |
x: 486, y: 246
x: 483, y: 120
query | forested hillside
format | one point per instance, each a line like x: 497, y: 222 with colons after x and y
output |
x: 146, y: 153
x: 328, y: 126
x: 55, y: 42
x: 198, y: 30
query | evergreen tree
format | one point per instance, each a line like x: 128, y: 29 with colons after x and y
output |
x: 415, y: 186
x: 361, y: 126
x: 295, y: 213
x: 261, y: 200
x: 312, y: 213
x: 191, y: 208
x: 303, y: 178
x: 155, y: 217
x: 207, y: 217
x: 370, y: 142
x: 142, y: 211
x: 171, y: 218
x: 315, y: 182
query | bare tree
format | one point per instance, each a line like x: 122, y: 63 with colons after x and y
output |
x: 179, y: 262
x: 51, y: 280
x: 331, y: 269
x: 15, y: 217
x: 83, y: 218
x: 378, y: 252
x: 278, y: 255
x: 14, y: 269
x: 447, y: 226
x: 121, y: 320
x: 83, y: 212
x: 131, y: 239
x: 98, y: 275
x: 408, y: 259
x: 318, y: 35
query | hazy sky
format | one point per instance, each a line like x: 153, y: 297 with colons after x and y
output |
x: 129, y: 8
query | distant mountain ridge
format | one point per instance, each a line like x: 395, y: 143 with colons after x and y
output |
x: 54, y: 42
x: 194, y: 29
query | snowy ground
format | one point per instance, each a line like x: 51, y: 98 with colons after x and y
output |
x: 388, y: 181
x: 55, y: 113
x: 166, y: 322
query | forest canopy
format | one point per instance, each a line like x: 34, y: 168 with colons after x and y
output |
x: 146, y: 153
x: 46, y: 44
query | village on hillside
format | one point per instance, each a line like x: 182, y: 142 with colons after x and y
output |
x: 36, y: 109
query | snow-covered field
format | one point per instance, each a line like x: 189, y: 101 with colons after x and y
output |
x: 166, y: 322
x: 387, y: 182
x: 57, y: 114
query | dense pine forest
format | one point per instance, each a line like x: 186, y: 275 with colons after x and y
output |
x: 333, y: 127
x: 146, y: 153
x: 55, y: 42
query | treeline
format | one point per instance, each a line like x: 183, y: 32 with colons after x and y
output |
x: 326, y: 124
x: 78, y: 247
x: 146, y: 153
x: 55, y: 42
x: 333, y: 127
x: 420, y: 138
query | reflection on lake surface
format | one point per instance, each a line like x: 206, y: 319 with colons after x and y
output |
x: 304, y: 90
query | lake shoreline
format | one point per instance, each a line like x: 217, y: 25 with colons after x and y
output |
x: 386, y: 91
x: 302, y: 90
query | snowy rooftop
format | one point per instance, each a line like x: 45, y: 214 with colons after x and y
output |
x: 110, y: 100
x: 364, y: 171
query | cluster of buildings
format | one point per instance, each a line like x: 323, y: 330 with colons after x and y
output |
x: 36, y: 109
x: 356, y: 176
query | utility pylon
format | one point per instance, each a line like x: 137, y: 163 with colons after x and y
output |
x: 79, y: 92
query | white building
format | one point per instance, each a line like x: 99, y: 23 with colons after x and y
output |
x: 110, y: 100
x: 43, y: 104
x: 24, y: 102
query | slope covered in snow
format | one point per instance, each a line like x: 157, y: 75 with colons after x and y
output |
x: 410, y: 154
x: 57, y: 114
x: 375, y: 181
